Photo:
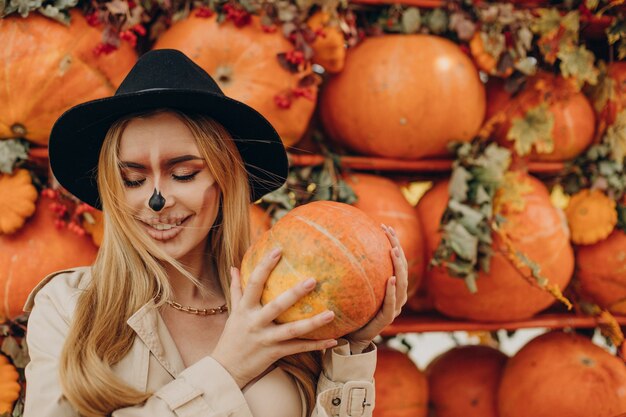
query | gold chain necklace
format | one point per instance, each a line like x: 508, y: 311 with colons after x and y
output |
x: 197, y: 311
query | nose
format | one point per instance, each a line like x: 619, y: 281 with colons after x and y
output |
x: 157, y: 201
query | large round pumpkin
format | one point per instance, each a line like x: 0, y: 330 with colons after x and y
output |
x: 538, y: 231
x: 560, y: 374
x: 464, y: 381
x: 401, y: 388
x: 243, y: 61
x: 615, y: 84
x: 574, y: 118
x: 397, y: 95
x: 338, y: 245
x: 48, y: 68
x: 36, y: 250
x: 601, y: 270
x: 381, y: 199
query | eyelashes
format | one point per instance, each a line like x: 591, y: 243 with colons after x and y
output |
x: 180, y: 178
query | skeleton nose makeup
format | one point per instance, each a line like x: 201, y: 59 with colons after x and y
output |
x: 157, y: 201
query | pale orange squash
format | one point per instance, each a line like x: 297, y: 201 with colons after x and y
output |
x: 338, y: 245
x: 383, y: 201
x: 561, y: 374
x: 403, y: 96
x: 243, y: 61
x: 48, y: 68
x: 464, y: 381
x: 36, y: 250
x: 401, y: 388
x: 17, y: 200
x: 538, y: 231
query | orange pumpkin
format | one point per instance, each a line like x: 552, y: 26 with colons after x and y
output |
x: 464, y: 381
x: 538, y: 231
x: 9, y: 385
x: 401, y: 388
x: 48, y: 68
x: 574, y: 118
x: 560, y: 374
x: 260, y: 222
x: 381, y: 199
x: 601, y: 270
x: 397, y: 94
x: 607, y: 111
x: 243, y: 61
x: 36, y: 250
x: 338, y: 245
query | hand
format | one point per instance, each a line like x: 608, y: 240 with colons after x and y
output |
x: 251, y: 341
x: 395, y: 297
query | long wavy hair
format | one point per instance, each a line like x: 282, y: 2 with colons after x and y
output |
x: 128, y: 273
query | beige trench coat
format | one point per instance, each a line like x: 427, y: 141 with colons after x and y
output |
x: 153, y: 364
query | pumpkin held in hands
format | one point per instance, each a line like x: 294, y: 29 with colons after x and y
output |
x: 338, y: 245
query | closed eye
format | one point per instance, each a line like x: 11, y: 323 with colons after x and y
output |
x: 185, y: 178
x: 133, y: 183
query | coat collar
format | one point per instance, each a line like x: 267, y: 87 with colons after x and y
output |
x: 152, y: 331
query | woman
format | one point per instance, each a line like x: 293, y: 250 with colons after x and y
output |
x: 176, y: 164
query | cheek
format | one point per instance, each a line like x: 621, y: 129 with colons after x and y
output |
x: 210, y: 200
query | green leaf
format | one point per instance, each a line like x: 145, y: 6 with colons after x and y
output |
x: 615, y: 137
x: 458, y: 187
x: 547, y: 21
x: 462, y: 242
x: 469, y: 218
x: 11, y: 152
x: 482, y: 197
x: 571, y: 23
x: 470, y: 282
x: 527, y: 65
x: 534, y: 129
x: 411, y: 20
x: 18, y: 352
x: 437, y: 21
x: 577, y: 62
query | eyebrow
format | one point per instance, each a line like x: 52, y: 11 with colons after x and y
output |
x: 168, y: 163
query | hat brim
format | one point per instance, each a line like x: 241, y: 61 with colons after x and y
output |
x: 76, y: 137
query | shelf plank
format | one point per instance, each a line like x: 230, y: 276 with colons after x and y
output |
x: 434, y: 322
x: 435, y: 165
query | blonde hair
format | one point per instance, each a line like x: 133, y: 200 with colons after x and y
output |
x: 128, y: 273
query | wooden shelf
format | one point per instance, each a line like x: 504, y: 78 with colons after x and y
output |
x: 435, y: 322
x: 437, y: 165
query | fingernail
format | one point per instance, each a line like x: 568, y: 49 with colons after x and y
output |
x: 328, y: 315
x: 383, y: 226
x: 393, y: 232
x: 275, y: 253
x: 310, y: 283
x: 393, y: 280
x: 396, y: 251
x: 331, y: 343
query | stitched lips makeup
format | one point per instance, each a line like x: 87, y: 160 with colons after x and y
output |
x: 165, y: 229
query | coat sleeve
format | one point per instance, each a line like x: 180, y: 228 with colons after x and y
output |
x: 204, y: 389
x: 346, y: 385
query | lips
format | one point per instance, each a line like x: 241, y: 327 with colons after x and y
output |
x: 164, y: 230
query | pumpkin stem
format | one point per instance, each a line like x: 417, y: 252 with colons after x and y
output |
x: 224, y: 75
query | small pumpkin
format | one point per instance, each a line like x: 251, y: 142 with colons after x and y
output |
x: 329, y: 49
x: 591, y: 216
x: 483, y: 59
x: 338, y: 245
x: 9, y: 385
x: 17, y: 200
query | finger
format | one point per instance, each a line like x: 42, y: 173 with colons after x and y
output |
x: 235, y: 287
x: 299, y: 328
x: 285, y: 300
x: 387, y: 312
x: 299, y: 346
x: 256, y: 283
x: 391, y: 235
x: 401, y: 272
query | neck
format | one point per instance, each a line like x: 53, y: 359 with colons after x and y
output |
x: 185, y: 292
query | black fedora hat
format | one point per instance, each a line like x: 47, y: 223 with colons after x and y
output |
x: 164, y: 78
